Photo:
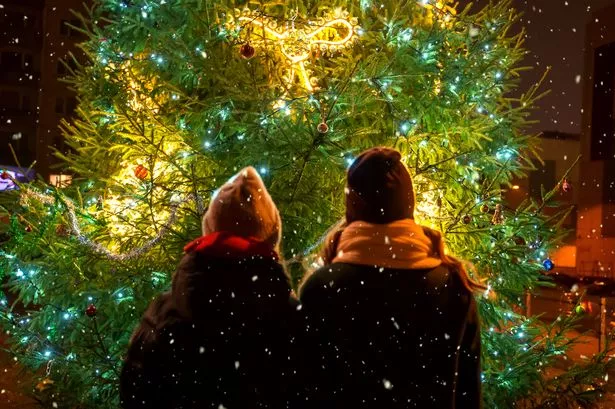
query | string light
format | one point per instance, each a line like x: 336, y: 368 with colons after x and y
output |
x: 295, y: 43
x: 100, y: 249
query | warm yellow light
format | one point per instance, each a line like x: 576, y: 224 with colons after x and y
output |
x: 295, y: 42
x: 140, y: 90
x: 516, y: 187
x: 442, y: 9
x: 437, y: 86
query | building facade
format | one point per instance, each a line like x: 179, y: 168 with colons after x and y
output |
x: 21, y: 34
x: 35, y: 35
x: 596, y: 221
x: 559, y: 152
x: 57, y: 100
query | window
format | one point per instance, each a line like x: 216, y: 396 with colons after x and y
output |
x: 60, y: 68
x: 542, y: 177
x: 28, y: 21
x: 71, y: 105
x: 60, y: 180
x: 59, y: 105
x: 10, y: 100
x: 27, y: 61
x: 608, y: 200
x: 26, y: 103
x: 603, y: 106
x: 68, y: 31
x: 64, y: 28
x: 11, y: 61
x: 73, y: 30
x: 65, y: 67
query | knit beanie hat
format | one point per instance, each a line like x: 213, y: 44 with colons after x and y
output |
x: 379, y: 188
x: 243, y: 207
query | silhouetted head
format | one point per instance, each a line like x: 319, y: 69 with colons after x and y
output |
x: 243, y: 207
x: 379, y: 188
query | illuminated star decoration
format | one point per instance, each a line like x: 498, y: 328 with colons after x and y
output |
x: 294, y: 43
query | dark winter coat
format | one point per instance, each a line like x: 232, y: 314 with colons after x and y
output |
x: 221, y: 338
x: 391, y: 338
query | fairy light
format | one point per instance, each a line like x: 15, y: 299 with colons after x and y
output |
x: 100, y: 249
x: 295, y: 43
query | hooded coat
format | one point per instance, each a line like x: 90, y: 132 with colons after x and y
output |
x: 220, y: 338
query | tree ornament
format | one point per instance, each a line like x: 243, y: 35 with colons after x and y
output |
x: 28, y: 228
x: 519, y: 241
x: 247, y: 51
x: 548, y: 264
x: 141, y: 172
x: 484, y: 208
x: 580, y: 309
x: 62, y: 230
x: 498, y: 217
x: 292, y: 45
x: 566, y: 186
x: 43, y: 385
x: 5, y: 175
x: 323, y: 128
x: 91, y: 311
x: 467, y: 219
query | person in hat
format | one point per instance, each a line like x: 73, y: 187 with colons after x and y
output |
x: 221, y: 337
x: 391, y: 317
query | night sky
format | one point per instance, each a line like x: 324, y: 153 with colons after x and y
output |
x: 556, y: 38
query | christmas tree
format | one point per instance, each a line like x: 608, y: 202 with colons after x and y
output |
x: 178, y: 95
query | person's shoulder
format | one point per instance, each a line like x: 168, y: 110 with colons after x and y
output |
x: 324, y: 278
x: 451, y: 283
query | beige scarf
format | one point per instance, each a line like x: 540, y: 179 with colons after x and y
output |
x: 401, y: 244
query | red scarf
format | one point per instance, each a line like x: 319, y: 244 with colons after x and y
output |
x: 226, y: 245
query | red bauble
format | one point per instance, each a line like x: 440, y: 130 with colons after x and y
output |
x: 484, y: 208
x: 28, y: 228
x: 4, y: 175
x: 247, y: 51
x: 566, y: 186
x: 323, y: 128
x: 141, y: 172
x: 467, y: 219
x: 90, y: 311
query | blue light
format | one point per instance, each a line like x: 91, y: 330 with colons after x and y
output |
x: 505, y: 154
x: 406, y: 35
x: 404, y: 127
